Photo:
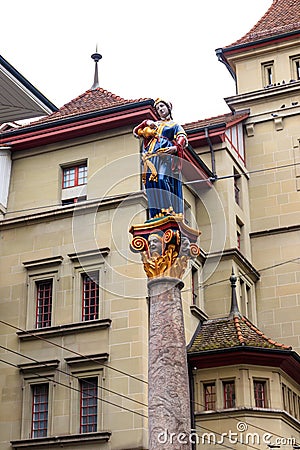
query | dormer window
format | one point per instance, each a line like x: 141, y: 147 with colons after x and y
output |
x: 74, y: 176
x: 74, y: 182
x: 268, y: 73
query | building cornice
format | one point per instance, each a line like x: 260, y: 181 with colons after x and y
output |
x: 59, y: 212
x: 61, y: 330
x: 239, y: 258
x: 79, y: 125
x: 287, y: 360
x: 75, y: 440
x: 242, y: 101
x: 272, y: 231
x: 269, y: 413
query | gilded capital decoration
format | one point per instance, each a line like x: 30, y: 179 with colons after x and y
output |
x: 165, y: 246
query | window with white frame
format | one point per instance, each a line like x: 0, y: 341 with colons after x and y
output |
x: 74, y: 181
x: 268, y: 73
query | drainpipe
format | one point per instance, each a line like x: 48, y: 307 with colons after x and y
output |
x: 221, y: 57
x: 192, y: 397
x: 212, y: 154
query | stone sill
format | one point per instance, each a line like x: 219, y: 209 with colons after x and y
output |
x: 60, y: 441
x: 60, y: 330
x: 198, y: 313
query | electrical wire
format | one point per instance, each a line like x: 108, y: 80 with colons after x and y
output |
x: 72, y: 351
x: 250, y: 172
x: 206, y: 285
x: 121, y: 395
x: 187, y: 183
x: 72, y: 375
x: 45, y: 377
x: 228, y: 416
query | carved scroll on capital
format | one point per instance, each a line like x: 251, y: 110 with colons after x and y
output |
x: 165, y: 247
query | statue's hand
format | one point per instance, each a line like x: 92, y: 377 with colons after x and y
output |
x: 151, y: 124
x: 170, y: 150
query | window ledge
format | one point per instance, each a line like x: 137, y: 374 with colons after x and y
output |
x: 60, y: 441
x: 99, y: 358
x: 69, y: 328
x: 197, y: 312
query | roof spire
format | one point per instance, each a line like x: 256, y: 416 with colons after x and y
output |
x: 96, y: 57
x: 234, y: 310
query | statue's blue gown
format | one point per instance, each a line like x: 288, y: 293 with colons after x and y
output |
x: 165, y: 194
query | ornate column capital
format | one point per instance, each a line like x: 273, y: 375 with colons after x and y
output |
x: 166, y: 244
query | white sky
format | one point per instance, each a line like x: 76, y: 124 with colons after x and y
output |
x: 158, y: 48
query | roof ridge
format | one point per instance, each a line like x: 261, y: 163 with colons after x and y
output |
x: 262, y: 335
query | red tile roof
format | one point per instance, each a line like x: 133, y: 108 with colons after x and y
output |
x: 282, y: 17
x: 222, y: 119
x: 91, y: 100
x: 233, y: 331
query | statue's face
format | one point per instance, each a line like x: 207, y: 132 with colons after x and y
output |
x: 162, y: 110
x: 155, y: 244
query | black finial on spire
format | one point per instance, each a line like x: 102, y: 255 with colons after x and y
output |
x: 234, y: 310
x: 96, y: 57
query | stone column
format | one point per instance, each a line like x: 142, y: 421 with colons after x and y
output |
x: 169, y: 399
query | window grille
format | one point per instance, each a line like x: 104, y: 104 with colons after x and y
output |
x: 43, y: 303
x: 74, y: 176
x: 88, y: 405
x: 90, y: 296
x: 260, y: 394
x: 209, y: 396
x: 40, y: 396
x: 229, y: 394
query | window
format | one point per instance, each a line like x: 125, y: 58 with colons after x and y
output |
x: 209, y: 396
x: 229, y: 394
x: 238, y: 240
x: 237, y: 187
x: 74, y: 176
x: 295, y: 67
x: 90, y: 296
x: 268, y: 73
x: 88, y: 405
x: 40, y: 398
x: 187, y: 213
x: 43, y: 303
x: 195, y: 285
x: 260, y: 394
x: 284, y: 396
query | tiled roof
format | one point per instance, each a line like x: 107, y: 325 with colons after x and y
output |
x: 282, y: 17
x: 233, y: 331
x: 224, y: 118
x: 92, y: 100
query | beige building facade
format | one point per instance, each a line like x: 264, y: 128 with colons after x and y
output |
x: 74, y: 310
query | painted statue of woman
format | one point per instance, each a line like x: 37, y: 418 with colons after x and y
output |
x: 163, y: 144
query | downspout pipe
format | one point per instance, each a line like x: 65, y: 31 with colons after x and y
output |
x: 192, y: 397
x: 221, y: 57
x: 212, y: 154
